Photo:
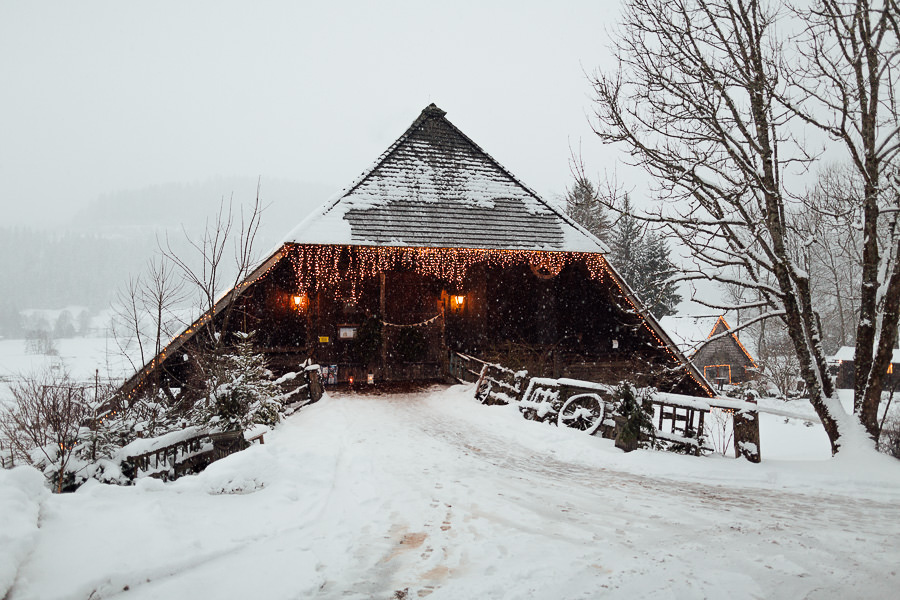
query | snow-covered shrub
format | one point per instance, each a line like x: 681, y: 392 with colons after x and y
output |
x: 889, y: 441
x: 74, y: 432
x: 634, y: 422
x: 241, y: 391
x: 43, y: 421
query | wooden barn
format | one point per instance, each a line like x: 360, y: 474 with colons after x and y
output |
x: 436, y: 249
x: 718, y: 354
x: 844, y: 363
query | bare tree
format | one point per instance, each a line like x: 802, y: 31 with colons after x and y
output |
x: 707, y: 99
x: 833, y: 226
x: 846, y: 86
x: 208, y: 274
x: 146, y: 311
x: 43, y: 421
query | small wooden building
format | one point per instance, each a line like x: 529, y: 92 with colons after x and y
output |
x: 844, y: 362
x: 718, y: 354
x: 438, y: 248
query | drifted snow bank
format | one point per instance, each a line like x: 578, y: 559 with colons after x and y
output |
x: 434, y: 495
x: 22, y: 492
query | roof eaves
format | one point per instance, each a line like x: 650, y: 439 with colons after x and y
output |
x: 735, y: 338
x: 661, y: 333
x: 224, y: 300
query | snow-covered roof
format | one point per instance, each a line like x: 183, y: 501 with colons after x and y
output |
x: 689, y: 331
x: 849, y: 353
x: 435, y: 187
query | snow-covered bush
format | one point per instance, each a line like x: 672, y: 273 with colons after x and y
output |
x: 889, y: 442
x: 43, y: 421
x: 74, y: 432
x: 634, y: 422
x: 241, y: 391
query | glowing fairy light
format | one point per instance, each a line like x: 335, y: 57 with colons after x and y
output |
x: 325, y: 267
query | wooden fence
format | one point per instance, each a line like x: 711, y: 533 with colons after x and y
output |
x: 189, y: 455
x: 678, y: 421
x: 194, y: 453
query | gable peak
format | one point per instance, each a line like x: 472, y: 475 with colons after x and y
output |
x: 432, y: 110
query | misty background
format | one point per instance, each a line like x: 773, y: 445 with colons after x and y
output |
x: 122, y: 124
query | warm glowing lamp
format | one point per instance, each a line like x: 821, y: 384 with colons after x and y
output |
x: 300, y: 301
x: 456, y: 302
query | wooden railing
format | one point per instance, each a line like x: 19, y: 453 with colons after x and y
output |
x: 189, y: 455
x: 678, y: 421
x: 174, y: 460
x: 465, y: 368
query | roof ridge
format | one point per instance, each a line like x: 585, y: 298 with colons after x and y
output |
x: 573, y: 235
x: 430, y: 111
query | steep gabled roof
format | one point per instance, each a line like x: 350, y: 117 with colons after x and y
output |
x: 848, y: 353
x: 692, y: 332
x: 689, y: 332
x: 435, y: 187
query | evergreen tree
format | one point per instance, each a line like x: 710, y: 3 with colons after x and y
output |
x: 241, y: 390
x: 636, y: 429
x: 65, y: 325
x: 642, y: 257
x: 625, y: 244
x: 660, y: 293
x: 584, y: 206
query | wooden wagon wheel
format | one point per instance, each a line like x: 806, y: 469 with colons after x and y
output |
x: 582, y: 411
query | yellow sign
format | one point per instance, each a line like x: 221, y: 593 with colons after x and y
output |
x: 323, y: 339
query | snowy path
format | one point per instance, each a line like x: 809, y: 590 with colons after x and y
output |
x: 433, y: 494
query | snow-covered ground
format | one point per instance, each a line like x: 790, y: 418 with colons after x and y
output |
x: 432, y: 494
x: 81, y: 357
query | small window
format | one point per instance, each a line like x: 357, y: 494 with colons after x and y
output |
x: 718, y: 374
x: 347, y: 332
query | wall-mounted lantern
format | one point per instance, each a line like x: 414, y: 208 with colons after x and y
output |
x: 457, y: 301
x: 300, y: 302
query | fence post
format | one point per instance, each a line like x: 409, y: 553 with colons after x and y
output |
x: 746, y: 432
x: 315, y: 386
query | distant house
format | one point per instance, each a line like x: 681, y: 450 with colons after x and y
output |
x: 438, y: 248
x: 844, y: 360
x: 706, y: 341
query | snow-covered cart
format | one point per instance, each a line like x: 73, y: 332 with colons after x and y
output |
x: 568, y: 403
x: 678, y: 422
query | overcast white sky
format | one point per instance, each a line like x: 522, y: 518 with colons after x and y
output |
x: 106, y: 96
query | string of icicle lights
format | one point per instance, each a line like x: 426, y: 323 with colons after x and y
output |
x: 320, y: 268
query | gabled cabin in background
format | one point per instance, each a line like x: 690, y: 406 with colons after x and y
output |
x: 844, y: 362
x: 705, y: 340
x: 438, y: 248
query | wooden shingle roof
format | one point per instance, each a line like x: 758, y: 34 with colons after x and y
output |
x: 435, y: 187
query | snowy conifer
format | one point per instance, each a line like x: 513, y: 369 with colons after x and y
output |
x: 642, y: 257
x: 241, y: 390
x: 584, y: 206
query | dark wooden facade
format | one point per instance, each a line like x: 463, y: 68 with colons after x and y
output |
x: 724, y: 360
x: 844, y: 362
x: 400, y: 324
x: 438, y: 248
